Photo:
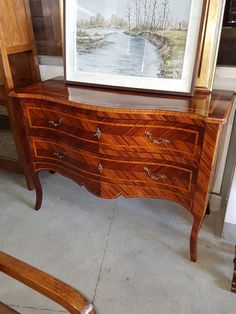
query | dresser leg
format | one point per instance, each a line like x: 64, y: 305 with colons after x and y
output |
x: 194, y: 238
x: 233, y: 285
x: 38, y: 190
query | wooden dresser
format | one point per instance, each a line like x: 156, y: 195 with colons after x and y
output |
x: 122, y: 143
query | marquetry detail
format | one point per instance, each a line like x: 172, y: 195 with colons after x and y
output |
x: 119, y: 143
x: 168, y: 138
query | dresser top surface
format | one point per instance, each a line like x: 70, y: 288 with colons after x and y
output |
x: 213, y: 107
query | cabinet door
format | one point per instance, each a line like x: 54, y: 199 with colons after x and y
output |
x: 46, y: 21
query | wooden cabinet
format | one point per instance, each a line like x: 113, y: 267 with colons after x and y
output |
x: 18, y: 68
x: 120, y: 143
x: 46, y: 19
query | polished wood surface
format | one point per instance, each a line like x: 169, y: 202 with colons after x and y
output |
x: 18, y: 63
x: 56, y: 290
x: 4, y: 309
x: 121, y: 143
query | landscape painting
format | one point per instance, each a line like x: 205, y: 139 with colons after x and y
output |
x: 133, y: 43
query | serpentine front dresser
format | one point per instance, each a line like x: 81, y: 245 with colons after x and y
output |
x: 124, y: 143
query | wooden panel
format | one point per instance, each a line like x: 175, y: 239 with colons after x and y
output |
x: 46, y: 21
x: 142, y: 136
x: 18, y: 65
x: 10, y: 165
x: 13, y: 13
x: 43, y: 28
x: 195, y: 110
x: 4, y: 122
x: 3, y: 95
x: 22, y: 68
x: 155, y: 173
x: 227, y: 48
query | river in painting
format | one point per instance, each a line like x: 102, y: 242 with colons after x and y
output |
x: 112, y: 51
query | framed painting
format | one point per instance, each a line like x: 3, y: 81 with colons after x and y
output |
x: 149, y: 45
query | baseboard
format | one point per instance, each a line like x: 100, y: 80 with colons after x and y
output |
x: 229, y: 232
x: 215, y: 203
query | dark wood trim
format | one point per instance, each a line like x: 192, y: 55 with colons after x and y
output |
x: 10, y: 165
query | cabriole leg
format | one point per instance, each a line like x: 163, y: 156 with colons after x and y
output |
x: 194, y: 238
x: 38, y: 190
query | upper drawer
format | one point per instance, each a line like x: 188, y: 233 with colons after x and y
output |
x: 117, y: 134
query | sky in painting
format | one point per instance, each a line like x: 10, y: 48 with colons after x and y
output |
x: 179, y: 9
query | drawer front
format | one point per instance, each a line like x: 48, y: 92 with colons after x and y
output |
x: 123, y: 171
x: 116, y: 134
x: 78, y: 126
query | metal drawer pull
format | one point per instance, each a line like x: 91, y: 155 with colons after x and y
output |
x: 100, y: 168
x: 161, y: 176
x: 158, y: 141
x: 60, y: 155
x: 56, y: 123
x: 98, y: 133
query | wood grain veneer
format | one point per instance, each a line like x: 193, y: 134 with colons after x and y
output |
x: 124, y: 143
x: 18, y: 66
x: 68, y: 297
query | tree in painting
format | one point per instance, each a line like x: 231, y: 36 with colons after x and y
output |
x: 132, y: 37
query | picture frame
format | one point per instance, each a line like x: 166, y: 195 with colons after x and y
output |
x: 211, y: 32
x: 110, y: 44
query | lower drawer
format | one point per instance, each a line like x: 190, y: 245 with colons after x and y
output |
x: 140, y: 172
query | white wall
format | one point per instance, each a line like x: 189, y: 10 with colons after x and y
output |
x: 230, y: 216
x: 50, y: 71
x: 225, y: 78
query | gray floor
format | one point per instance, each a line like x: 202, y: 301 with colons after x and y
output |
x: 7, y: 145
x: 128, y: 255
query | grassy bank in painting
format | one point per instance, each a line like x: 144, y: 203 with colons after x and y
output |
x: 171, y: 46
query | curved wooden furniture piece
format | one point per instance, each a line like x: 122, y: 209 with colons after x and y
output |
x: 56, y: 290
x: 124, y: 143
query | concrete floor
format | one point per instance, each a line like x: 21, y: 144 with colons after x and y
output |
x: 128, y: 255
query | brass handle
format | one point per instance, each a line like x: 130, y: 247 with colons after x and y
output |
x: 158, y: 141
x: 161, y: 176
x: 98, y: 133
x: 56, y: 123
x: 100, y: 168
x: 60, y: 155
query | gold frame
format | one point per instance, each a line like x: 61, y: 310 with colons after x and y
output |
x: 210, y: 44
